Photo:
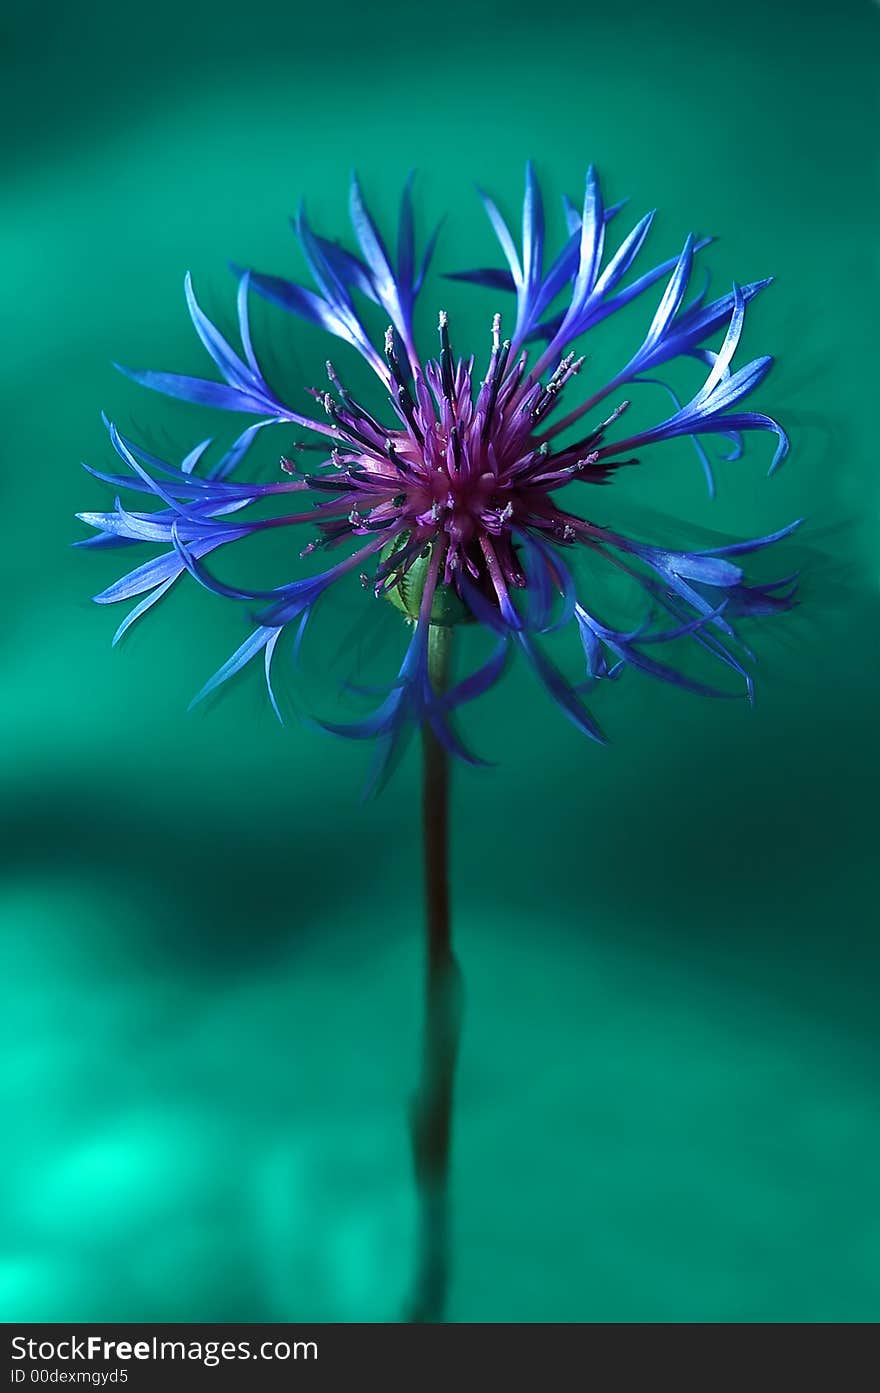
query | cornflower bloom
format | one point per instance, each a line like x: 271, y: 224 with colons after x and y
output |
x: 452, y: 500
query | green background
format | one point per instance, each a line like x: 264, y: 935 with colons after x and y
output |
x: 210, y: 973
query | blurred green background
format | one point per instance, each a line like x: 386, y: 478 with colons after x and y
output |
x: 210, y: 948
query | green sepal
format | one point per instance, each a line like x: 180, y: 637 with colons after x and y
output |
x: 447, y: 609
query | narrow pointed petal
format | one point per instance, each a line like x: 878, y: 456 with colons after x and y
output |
x: 253, y: 644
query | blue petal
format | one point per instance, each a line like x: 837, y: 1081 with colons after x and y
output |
x: 406, y: 237
x: 430, y: 247
x: 201, y: 391
x: 145, y: 577
x: 141, y: 608
x: 542, y: 561
x: 624, y: 256
x: 297, y: 300
x: 482, y: 679
x: 592, y: 238
x: 373, y: 248
x: 349, y: 268
x: 672, y: 296
x: 244, y: 326
x: 502, y: 232
x: 741, y: 548
x: 252, y: 645
x: 561, y: 690
x: 533, y: 228
x: 236, y: 453
x: 229, y: 363
x: 492, y: 276
x: 269, y: 654
x: 755, y: 420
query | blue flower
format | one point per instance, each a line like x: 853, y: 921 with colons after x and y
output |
x: 453, y: 496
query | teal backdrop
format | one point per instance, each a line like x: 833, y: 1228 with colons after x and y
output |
x: 210, y: 977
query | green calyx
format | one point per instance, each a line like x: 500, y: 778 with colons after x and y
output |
x: 447, y: 609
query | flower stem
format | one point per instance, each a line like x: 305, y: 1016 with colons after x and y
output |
x: 431, y: 1120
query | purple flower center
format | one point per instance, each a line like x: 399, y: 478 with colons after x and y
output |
x: 467, y: 469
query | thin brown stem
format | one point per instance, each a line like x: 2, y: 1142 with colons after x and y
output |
x: 432, y: 1106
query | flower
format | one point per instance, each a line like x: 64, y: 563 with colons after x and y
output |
x: 453, y: 496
